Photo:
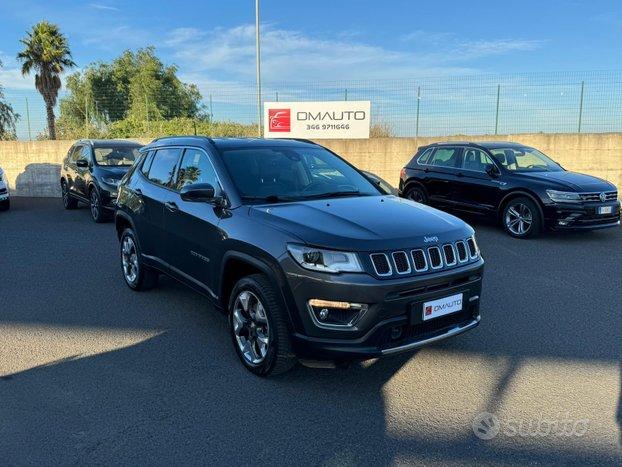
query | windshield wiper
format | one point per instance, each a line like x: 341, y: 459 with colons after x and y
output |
x: 267, y: 199
x: 334, y: 194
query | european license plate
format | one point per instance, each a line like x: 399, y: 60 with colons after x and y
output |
x: 605, y: 209
x: 442, y: 306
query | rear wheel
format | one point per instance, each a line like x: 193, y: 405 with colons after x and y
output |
x: 417, y: 194
x: 137, y: 276
x: 68, y: 201
x: 521, y: 218
x: 258, y: 326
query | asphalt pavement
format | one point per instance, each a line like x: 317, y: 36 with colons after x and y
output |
x: 91, y: 372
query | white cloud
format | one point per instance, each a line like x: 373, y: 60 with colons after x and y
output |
x: 99, y: 6
x: 292, y: 55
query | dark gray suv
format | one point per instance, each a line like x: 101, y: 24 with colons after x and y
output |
x: 301, y: 250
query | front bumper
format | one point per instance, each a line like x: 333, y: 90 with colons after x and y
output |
x: 4, y: 193
x: 581, y: 216
x: 108, y: 195
x: 394, y: 321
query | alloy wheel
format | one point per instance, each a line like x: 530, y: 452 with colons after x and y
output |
x: 250, y: 327
x: 94, y: 205
x: 65, y: 193
x: 129, y: 258
x: 518, y: 219
x: 416, y: 195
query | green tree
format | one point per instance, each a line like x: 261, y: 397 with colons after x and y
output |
x: 47, y: 52
x: 8, y: 117
x: 136, y: 86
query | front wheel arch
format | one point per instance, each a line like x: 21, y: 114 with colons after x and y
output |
x: 518, y: 194
x: 412, y: 184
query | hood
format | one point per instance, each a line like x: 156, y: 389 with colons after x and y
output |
x: 572, y: 180
x: 366, y: 223
x: 113, y: 172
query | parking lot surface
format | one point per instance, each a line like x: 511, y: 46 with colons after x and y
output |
x: 91, y: 372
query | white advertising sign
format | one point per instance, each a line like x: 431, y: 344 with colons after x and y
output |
x: 317, y: 120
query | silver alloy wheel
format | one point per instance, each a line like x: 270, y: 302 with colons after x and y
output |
x: 129, y: 258
x: 65, y: 194
x: 518, y: 219
x: 94, y: 204
x: 250, y: 326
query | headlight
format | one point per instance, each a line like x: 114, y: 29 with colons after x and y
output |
x: 317, y: 259
x: 111, y: 181
x: 563, y: 196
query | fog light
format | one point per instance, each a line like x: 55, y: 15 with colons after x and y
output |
x: 334, y: 314
x: 396, y: 332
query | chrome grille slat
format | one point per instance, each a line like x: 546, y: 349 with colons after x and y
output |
x: 449, y: 254
x: 435, y: 256
x: 401, y: 263
x: 418, y: 255
x: 380, y: 261
x: 462, y: 251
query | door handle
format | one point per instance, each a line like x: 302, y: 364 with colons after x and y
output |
x: 459, y: 174
x: 171, y: 206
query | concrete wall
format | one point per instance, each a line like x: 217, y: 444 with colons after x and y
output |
x: 33, y: 168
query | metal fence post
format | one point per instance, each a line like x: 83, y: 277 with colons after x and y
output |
x: 346, y: 94
x: 581, y: 106
x: 418, y: 102
x: 277, y: 95
x: 28, y: 120
x: 497, y: 113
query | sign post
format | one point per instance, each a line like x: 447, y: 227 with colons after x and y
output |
x: 317, y: 120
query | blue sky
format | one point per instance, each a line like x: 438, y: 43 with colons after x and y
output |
x: 212, y: 42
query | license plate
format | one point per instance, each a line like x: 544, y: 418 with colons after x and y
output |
x: 605, y: 209
x: 442, y: 307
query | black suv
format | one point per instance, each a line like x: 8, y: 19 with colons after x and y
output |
x: 305, y: 254
x: 513, y: 183
x: 91, y: 172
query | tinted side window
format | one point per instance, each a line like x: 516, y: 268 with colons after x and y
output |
x: 147, y: 163
x: 446, y: 157
x: 74, y: 153
x: 196, y: 168
x: 85, y: 154
x: 163, y: 166
x: 475, y: 159
x: 424, y: 158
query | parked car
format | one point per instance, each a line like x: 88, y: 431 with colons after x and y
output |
x: 516, y: 184
x: 5, y: 199
x: 91, y: 172
x: 384, y: 186
x: 306, y: 256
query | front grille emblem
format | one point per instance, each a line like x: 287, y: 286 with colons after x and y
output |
x: 603, y: 197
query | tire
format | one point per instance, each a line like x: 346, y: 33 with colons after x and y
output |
x: 95, y: 205
x: 5, y: 205
x: 521, y: 218
x: 68, y: 201
x: 417, y: 194
x: 269, y: 350
x: 137, y: 276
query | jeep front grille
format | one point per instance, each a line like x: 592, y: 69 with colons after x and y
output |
x: 422, y: 260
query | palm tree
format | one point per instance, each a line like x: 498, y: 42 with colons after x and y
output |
x: 46, y: 50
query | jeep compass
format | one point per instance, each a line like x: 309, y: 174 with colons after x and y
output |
x: 513, y: 183
x: 308, y: 258
x: 91, y: 172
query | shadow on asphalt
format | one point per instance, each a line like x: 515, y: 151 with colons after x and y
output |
x: 182, y: 396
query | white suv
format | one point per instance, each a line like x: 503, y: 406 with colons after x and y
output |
x: 5, y: 202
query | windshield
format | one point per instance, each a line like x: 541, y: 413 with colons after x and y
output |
x: 117, y: 155
x: 293, y: 173
x: 525, y: 159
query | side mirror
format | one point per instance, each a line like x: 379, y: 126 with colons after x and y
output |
x: 200, y: 192
x: 492, y: 170
x: 82, y: 163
